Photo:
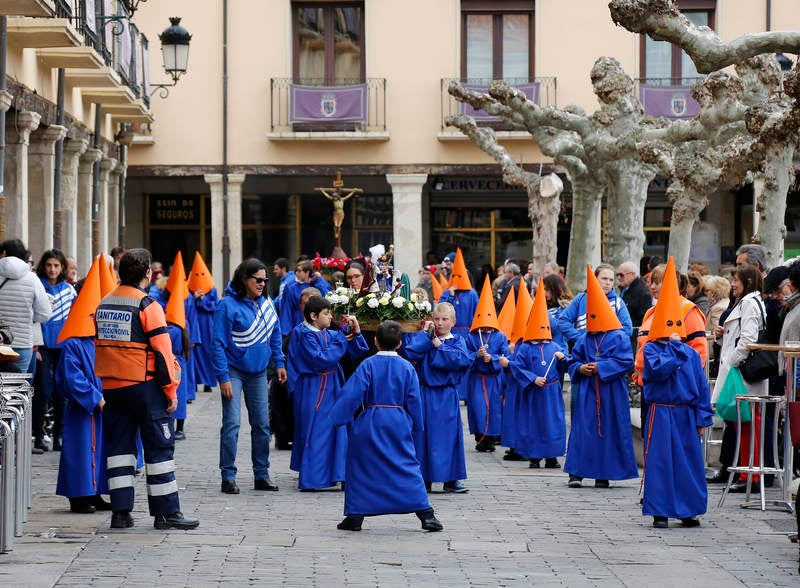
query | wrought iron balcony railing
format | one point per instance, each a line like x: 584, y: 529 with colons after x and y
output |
x: 541, y: 90
x: 313, y: 105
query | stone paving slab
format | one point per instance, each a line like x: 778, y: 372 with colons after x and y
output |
x: 516, y: 527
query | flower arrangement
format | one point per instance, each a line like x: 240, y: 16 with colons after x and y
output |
x: 329, y: 264
x: 378, y: 306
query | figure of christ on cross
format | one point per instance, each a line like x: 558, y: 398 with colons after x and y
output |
x: 337, y: 195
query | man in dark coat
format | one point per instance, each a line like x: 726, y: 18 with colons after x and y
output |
x: 634, y: 292
x: 512, y: 283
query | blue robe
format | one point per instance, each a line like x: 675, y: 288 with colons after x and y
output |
x: 508, y: 435
x: 674, y: 471
x: 82, y: 464
x: 541, y: 429
x: 382, y: 472
x: 176, y: 337
x: 202, y: 356
x: 485, y: 382
x: 319, y: 449
x: 466, y: 303
x: 601, y: 451
x: 193, y: 326
x: 440, y: 446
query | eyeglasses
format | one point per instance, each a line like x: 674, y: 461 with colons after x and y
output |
x: 621, y: 275
x: 259, y: 280
x: 353, y: 276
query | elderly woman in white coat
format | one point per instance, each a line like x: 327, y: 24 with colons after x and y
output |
x: 740, y: 329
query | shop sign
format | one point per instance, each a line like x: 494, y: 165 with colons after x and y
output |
x: 174, y: 210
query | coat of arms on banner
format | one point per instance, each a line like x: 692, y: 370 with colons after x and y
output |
x: 327, y: 105
x: 678, y: 105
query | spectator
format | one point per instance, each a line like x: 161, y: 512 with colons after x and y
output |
x: 634, y: 292
x: 72, y: 270
x: 512, y: 283
x: 695, y: 291
x: 755, y: 255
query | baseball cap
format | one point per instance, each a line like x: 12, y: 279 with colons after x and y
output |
x: 449, y: 257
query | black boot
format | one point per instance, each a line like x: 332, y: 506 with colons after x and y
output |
x: 174, y: 520
x: 81, y: 505
x: 98, y: 502
x: 351, y: 523
x: 551, y: 463
x: 535, y: 463
x: 429, y: 520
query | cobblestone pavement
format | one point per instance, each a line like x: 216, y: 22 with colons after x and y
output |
x: 516, y: 527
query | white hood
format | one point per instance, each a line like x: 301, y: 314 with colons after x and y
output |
x: 13, y: 268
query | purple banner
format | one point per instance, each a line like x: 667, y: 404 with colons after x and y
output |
x: 317, y: 103
x: 90, y: 13
x: 673, y: 102
x: 125, y: 48
x: 146, y: 69
x: 530, y: 90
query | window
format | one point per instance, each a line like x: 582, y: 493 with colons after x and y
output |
x: 497, y: 40
x: 666, y: 64
x: 328, y: 43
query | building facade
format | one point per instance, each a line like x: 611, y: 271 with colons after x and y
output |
x: 62, y: 173
x: 293, y: 92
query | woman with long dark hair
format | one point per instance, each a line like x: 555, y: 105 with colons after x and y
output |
x: 52, y: 272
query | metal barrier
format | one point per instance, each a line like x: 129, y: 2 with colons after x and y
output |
x: 16, y: 394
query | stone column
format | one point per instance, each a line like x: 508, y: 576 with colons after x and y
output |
x: 407, y: 220
x: 83, y: 248
x: 6, y: 99
x: 18, y: 130
x: 73, y: 149
x: 106, y: 165
x: 113, y: 205
x: 234, y: 224
x: 41, y: 167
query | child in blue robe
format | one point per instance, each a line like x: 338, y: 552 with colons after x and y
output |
x: 541, y: 430
x: 442, y: 363
x: 484, y: 385
x: 319, y: 449
x: 600, y: 439
x: 205, y: 304
x: 680, y: 409
x: 383, y: 473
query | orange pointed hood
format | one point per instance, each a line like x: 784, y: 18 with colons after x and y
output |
x: 459, y: 279
x: 443, y: 284
x: 436, y: 286
x: 599, y: 315
x: 523, y: 309
x: 176, y: 312
x: 80, y: 322
x: 539, y: 319
x: 485, y: 315
x: 177, y: 274
x: 108, y: 280
x: 200, y: 279
x: 668, y: 315
x: 506, y: 318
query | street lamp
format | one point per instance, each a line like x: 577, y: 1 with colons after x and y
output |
x: 175, y: 51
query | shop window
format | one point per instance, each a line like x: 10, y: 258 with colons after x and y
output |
x: 269, y: 227
x: 178, y: 223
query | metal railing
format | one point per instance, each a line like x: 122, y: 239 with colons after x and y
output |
x: 280, y: 106
x: 541, y: 89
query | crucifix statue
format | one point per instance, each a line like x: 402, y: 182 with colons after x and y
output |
x: 337, y: 195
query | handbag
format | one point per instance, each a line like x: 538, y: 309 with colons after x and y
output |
x: 794, y: 422
x: 760, y: 364
x: 726, y: 401
x: 6, y: 335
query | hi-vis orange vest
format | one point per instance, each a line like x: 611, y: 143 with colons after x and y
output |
x: 132, y: 343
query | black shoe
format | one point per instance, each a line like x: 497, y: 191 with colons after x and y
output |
x: 176, y: 520
x: 551, y: 463
x: 264, y: 484
x: 40, y: 444
x: 206, y: 388
x: 601, y: 484
x: 428, y: 486
x: 121, y: 520
x: 36, y: 451
x: 574, y: 481
x: 230, y: 487
x: 721, y: 477
x: 455, y: 487
x: 740, y: 487
x: 81, y: 505
x: 282, y: 445
x: 98, y: 502
x: 660, y: 522
x: 57, y: 444
x: 512, y: 455
x: 432, y: 524
x: 180, y: 435
x: 350, y: 524
x: 690, y: 522
x: 535, y: 463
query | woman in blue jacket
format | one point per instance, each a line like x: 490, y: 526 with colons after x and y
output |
x: 52, y: 271
x: 247, y: 336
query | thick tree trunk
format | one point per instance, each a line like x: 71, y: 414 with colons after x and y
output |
x: 771, y: 203
x: 543, y: 212
x: 584, y: 237
x: 626, y: 196
x: 686, y: 210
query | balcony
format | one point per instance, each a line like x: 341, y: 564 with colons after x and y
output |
x: 541, y: 91
x: 667, y: 97
x: 309, y: 110
x: 27, y: 7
